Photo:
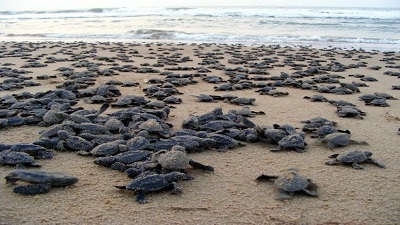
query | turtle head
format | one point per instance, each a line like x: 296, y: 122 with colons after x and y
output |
x: 368, y: 153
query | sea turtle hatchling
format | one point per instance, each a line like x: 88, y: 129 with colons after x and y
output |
x: 378, y: 102
x: 338, y: 139
x: 293, y: 141
x: 316, y: 98
x: 155, y: 182
x: 41, y: 181
x: 177, y: 160
x: 18, y: 159
x: 204, y: 98
x: 242, y: 101
x: 353, y: 158
x: 289, y: 183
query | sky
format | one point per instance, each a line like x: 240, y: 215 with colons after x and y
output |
x: 25, y: 5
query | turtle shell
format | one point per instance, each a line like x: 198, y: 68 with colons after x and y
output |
x: 13, y: 158
x: 173, y: 160
x: 338, y: 139
x: 325, y: 130
x: 151, y: 125
x: 353, y: 156
x: 149, y: 183
x: 292, y: 141
x: 56, y: 179
x: 291, y: 181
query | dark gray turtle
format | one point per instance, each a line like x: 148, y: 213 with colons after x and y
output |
x: 127, y: 157
x: 98, y: 99
x: 151, y: 125
x: 272, y: 135
x: 339, y: 103
x: 378, y: 102
x: 242, y: 101
x: 41, y: 181
x: 137, y: 143
x: 368, y: 79
x: 156, y: 104
x: 340, y: 140
x: 177, y: 159
x: 224, y: 87
x: 265, y: 89
x: 368, y: 97
x: 246, y: 112
x: 75, y: 143
x: 294, y: 141
x: 350, y: 86
x: 320, y: 120
x: 54, y: 116
x: 19, y: 159
x: 353, y: 158
x: 224, y: 142
x: 204, y: 98
x: 325, y: 130
x: 350, y: 111
x: 341, y: 91
x: 172, y: 100
x: 385, y: 95
x: 275, y: 93
x: 110, y: 148
x: 155, y: 182
x: 289, y: 183
x: 114, y: 125
x: 33, y: 150
x: 316, y: 98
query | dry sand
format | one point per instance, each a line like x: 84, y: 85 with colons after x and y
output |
x: 230, y: 195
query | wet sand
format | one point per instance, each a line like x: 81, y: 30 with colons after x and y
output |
x: 230, y: 195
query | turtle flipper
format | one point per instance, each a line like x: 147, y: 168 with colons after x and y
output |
x: 332, y: 162
x: 373, y: 161
x: 333, y: 156
x: 300, y: 150
x: 358, y: 142
x: 33, y: 189
x: 176, y: 189
x: 264, y: 177
x: 200, y: 166
x: 283, y: 195
x: 276, y: 149
x: 357, y: 166
x: 140, y: 197
x: 311, y: 189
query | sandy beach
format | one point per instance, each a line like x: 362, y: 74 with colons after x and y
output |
x: 230, y: 195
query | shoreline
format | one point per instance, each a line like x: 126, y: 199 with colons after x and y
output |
x: 230, y: 195
x: 320, y: 46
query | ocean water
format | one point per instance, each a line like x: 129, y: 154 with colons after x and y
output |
x: 367, y: 28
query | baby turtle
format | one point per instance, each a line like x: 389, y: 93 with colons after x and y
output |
x: 41, y: 181
x: 242, y: 101
x: 293, y: 141
x: 340, y: 140
x: 275, y: 93
x: 18, y: 159
x: 246, y: 112
x: 155, y: 182
x: 177, y: 160
x: 378, y: 102
x: 204, y: 98
x: 354, y: 158
x: 316, y: 98
x: 291, y: 182
x: 350, y: 111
